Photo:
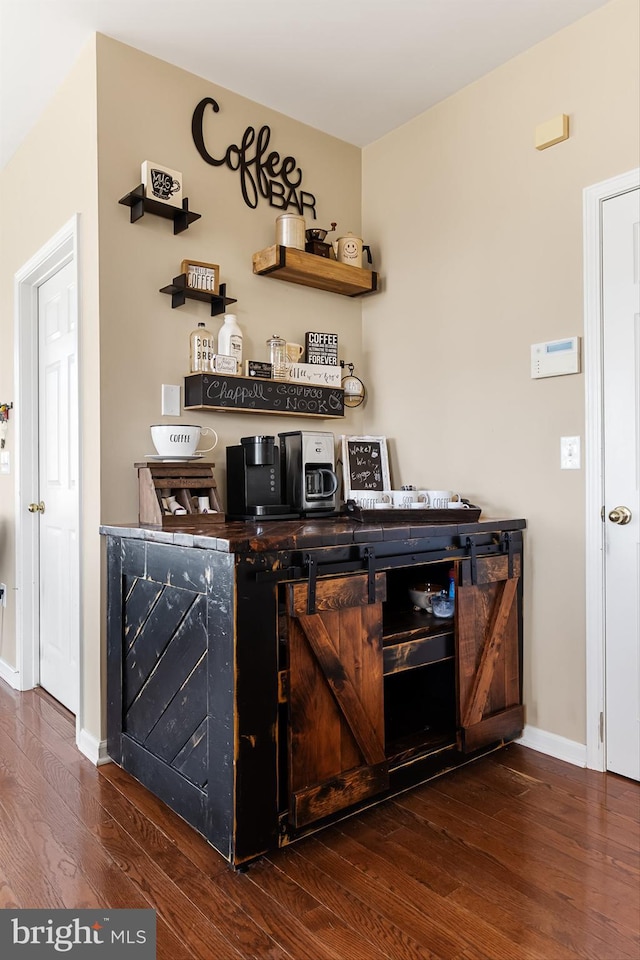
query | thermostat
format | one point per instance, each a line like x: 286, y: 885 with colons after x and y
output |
x: 555, y: 358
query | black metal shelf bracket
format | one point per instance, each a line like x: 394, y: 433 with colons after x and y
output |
x: 180, y: 292
x: 141, y: 204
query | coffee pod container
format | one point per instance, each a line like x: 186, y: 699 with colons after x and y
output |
x: 290, y: 230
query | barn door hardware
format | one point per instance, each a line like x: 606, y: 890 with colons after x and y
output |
x: 506, y: 545
x: 370, y: 558
x: 472, y: 552
x: 311, y: 564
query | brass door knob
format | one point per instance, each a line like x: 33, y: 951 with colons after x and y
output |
x: 36, y: 507
x: 620, y: 515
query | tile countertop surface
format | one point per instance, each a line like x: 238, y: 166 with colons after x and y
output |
x: 246, y: 535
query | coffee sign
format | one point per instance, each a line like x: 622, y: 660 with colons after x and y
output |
x: 263, y: 172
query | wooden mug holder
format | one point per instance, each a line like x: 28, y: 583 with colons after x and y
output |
x: 184, y: 481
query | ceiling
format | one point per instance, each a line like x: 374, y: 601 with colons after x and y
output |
x: 355, y: 69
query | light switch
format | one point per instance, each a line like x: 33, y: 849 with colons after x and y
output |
x: 569, y: 453
x: 170, y: 400
x: 5, y: 462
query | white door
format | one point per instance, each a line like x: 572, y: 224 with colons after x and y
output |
x: 621, y: 394
x: 58, y: 486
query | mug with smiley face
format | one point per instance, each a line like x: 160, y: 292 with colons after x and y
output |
x: 349, y: 250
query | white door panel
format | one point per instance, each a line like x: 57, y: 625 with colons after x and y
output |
x: 621, y: 394
x: 58, y: 487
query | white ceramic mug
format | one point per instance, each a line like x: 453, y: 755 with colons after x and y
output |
x: 437, y: 499
x: 294, y: 352
x: 404, y: 498
x: 180, y: 440
x: 457, y: 505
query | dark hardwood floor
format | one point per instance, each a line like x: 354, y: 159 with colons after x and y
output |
x: 516, y: 856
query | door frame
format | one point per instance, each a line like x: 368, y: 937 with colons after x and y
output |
x: 593, y: 198
x: 60, y: 250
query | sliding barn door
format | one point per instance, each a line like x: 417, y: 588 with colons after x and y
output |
x: 336, y: 709
x: 488, y: 661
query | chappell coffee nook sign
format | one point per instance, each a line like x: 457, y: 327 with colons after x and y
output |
x: 263, y: 172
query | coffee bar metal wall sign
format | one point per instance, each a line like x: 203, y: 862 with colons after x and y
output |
x: 264, y: 173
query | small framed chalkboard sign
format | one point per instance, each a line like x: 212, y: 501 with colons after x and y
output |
x: 365, y: 466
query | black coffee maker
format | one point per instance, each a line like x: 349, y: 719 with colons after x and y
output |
x: 253, y: 481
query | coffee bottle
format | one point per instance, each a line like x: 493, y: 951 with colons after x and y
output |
x: 202, y: 349
x: 230, y: 339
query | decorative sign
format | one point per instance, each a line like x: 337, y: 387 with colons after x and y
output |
x: 263, y: 172
x: 161, y: 183
x: 321, y: 348
x: 365, y: 465
x: 276, y: 396
x: 201, y: 275
x: 258, y: 368
x: 325, y: 374
x: 224, y: 364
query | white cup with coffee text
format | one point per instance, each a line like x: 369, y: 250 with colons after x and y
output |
x: 438, y: 499
x: 180, y: 440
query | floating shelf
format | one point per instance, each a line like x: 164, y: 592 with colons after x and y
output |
x: 310, y: 270
x: 141, y: 204
x: 179, y: 292
x: 211, y: 391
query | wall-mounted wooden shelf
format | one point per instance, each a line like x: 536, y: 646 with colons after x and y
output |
x: 179, y: 292
x: 310, y: 270
x: 211, y: 391
x: 141, y: 204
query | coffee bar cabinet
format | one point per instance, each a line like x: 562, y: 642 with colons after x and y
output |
x: 267, y: 680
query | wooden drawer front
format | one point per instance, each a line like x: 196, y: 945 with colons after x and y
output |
x: 165, y: 650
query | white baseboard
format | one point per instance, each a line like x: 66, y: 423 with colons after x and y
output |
x: 95, y: 750
x: 9, y: 674
x: 554, y: 746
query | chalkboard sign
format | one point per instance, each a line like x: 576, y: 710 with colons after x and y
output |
x: 365, y: 465
x: 253, y: 395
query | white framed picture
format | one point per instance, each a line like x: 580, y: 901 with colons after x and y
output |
x: 365, y: 468
x: 161, y: 183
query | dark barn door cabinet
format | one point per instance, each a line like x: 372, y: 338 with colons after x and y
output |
x: 266, y: 680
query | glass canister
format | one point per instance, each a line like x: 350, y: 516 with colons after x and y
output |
x: 278, y: 357
x: 202, y: 349
x: 290, y: 230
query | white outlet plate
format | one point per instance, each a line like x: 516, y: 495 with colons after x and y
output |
x: 569, y: 453
x: 170, y: 400
x: 5, y: 461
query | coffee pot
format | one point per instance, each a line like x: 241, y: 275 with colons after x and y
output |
x: 349, y: 250
x: 307, y: 466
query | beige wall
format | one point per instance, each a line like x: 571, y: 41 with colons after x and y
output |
x: 50, y: 178
x: 481, y: 240
x: 144, y: 109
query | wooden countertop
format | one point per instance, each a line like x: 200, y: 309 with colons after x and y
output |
x: 243, y: 536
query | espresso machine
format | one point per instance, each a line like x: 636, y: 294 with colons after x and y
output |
x: 307, y: 463
x: 253, y: 481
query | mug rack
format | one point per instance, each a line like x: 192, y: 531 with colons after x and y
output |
x: 184, y: 481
